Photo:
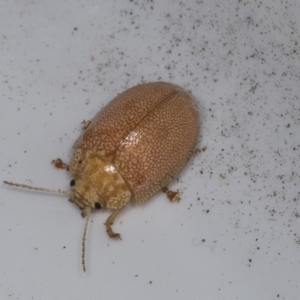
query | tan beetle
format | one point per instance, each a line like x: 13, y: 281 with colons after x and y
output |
x: 131, y: 149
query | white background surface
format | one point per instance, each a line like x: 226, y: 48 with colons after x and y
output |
x: 235, y: 234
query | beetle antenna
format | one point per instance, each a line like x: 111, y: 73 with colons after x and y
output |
x: 25, y: 186
x: 83, y: 242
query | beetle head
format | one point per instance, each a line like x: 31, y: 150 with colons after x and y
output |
x: 96, y: 183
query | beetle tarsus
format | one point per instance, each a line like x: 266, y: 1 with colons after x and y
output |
x: 112, y: 235
x: 59, y: 164
x: 85, y: 124
x: 172, y: 196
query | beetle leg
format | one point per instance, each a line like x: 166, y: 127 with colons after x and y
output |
x: 85, y: 124
x: 172, y: 196
x: 108, y: 224
x: 59, y: 164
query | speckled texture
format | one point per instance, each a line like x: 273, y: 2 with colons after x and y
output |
x: 148, y: 132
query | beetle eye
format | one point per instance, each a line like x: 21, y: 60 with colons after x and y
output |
x: 98, y: 205
x: 72, y: 182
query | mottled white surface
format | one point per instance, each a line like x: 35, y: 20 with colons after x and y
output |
x: 235, y: 234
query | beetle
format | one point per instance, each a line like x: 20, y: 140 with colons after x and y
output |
x: 132, y: 148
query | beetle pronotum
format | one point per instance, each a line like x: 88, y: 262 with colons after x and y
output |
x: 131, y: 149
